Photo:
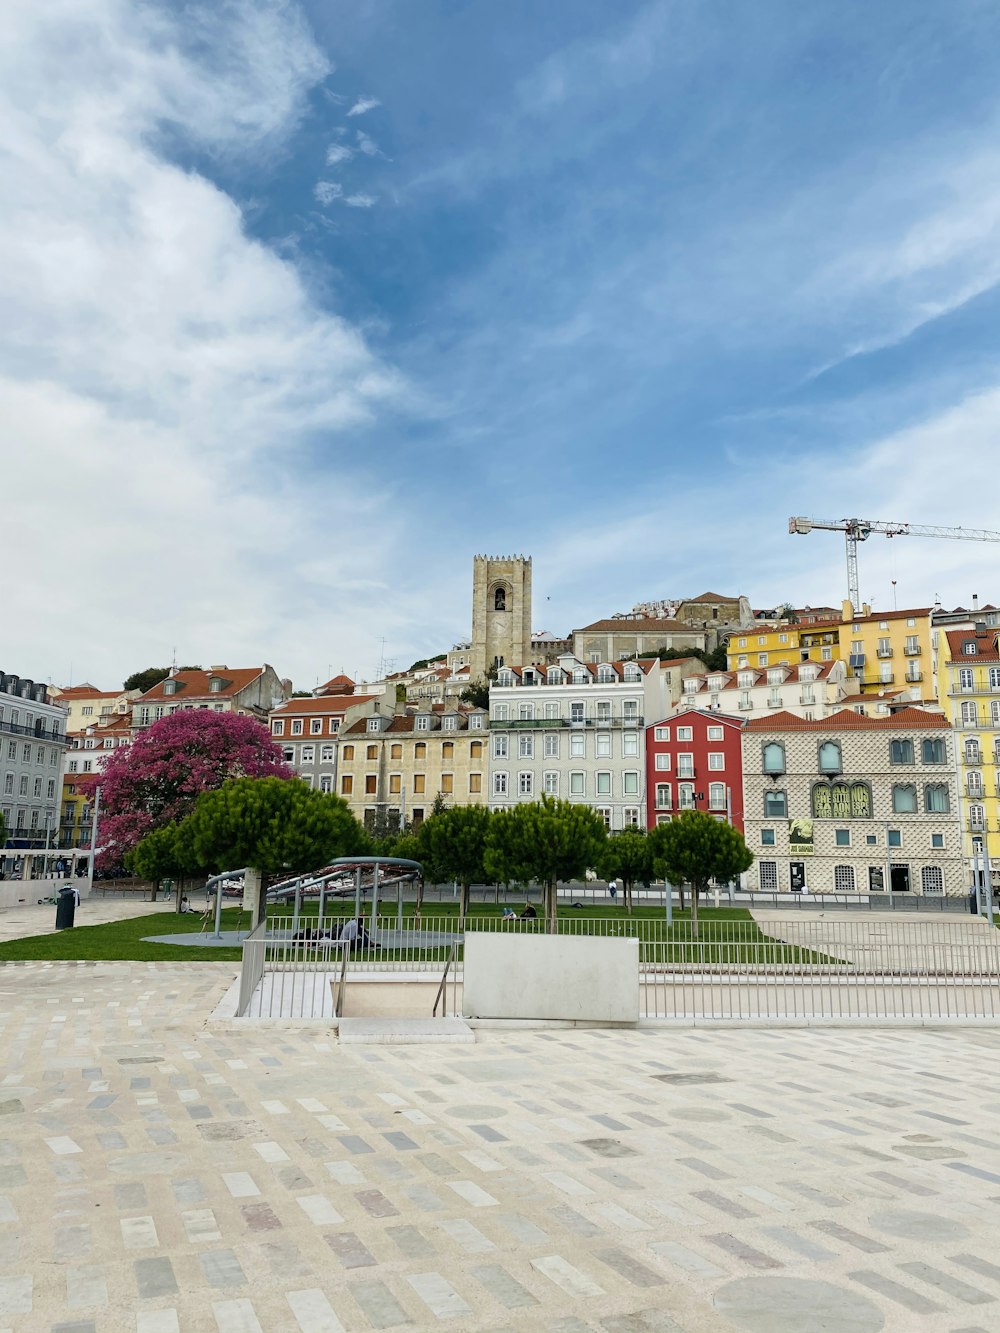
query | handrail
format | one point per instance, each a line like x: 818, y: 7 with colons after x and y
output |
x: 444, y: 981
x: 338, y: 1008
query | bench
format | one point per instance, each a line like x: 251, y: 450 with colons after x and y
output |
x: 106, y: 886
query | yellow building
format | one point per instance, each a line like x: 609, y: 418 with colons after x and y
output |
x: 87, y: 706
x: 969, y: 691
x: 784, y: 644
x: 882, y: 649
x: 394, y: 765
x: 75, y: 817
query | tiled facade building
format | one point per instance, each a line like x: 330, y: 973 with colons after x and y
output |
x: 852, y: 803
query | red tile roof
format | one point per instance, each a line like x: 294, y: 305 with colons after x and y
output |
x: 339, y: 685
x: 906, y: 719
x: 986, y: 646
x: 332, y: 703
x: 639, y: 625
x: 194, y: 684
x: 709, y: 597
x: 88, y: 692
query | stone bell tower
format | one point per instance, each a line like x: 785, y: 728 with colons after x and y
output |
x: 501, y: 613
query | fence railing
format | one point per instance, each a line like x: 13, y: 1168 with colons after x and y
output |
x: 800, y: 966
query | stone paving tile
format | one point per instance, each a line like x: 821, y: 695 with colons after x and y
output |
x: 165, y: 1177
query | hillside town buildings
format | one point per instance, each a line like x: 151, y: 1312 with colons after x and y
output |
x: 32, y: 745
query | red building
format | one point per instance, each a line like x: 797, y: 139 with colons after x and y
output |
x: 694, y: 762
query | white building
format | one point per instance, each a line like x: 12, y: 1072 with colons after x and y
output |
x: 33, y: 739
x: 574, y: 730
x: 807, y: 689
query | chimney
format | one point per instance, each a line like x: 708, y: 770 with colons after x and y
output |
x: 975, y: 601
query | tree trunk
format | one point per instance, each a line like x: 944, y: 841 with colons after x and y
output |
x: 627, y: 895
x: 419, y: 906
x: 680, y: 896
x: 694, y: 909
x: 551, y: 925
x: 463, y: 909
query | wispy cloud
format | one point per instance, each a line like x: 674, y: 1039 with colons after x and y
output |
x: 364, y: 104
x: 337, y: 153
x: 327, y: 191
x: 160, y: 367
x: 367, y: 145
x: 360, y: 200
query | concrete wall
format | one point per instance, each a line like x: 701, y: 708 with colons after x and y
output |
x: 551, y: 977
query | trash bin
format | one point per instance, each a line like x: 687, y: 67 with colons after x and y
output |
x: 65, y: 907
x: 974, y: 901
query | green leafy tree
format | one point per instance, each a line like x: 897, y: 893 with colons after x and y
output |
x: 158, y: 857
x: 694, y: 848
x: 545, y: 841
x: 627, y: 856
x: 716, y: 660
x: 453, y: 844
x: 477, y: 692
x: 145, y: 680
x: 269, y: 824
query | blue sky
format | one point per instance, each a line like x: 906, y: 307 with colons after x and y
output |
x: 309, y: 303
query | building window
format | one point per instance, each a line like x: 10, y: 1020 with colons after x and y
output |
x: 371, y: 752
x: 933, y: 751
x: 904, y: 799
x: 685, y: 765
x: 499, y: 747
x: 326, y: 783
x: 578, y: 745
x: 663, y: 796
x: 577, y: 784
x: 603, y: 745
x: 767, y: 837
x: 419, y: 784
x: 476, y: 750
x: 830, y: 760
x: 603, y: 784
x: 448, y: 750
x: 277, y: 728
x: 475, y: 721
x: 475, y: 783
x: 525, y: 783
x: 371, y: 785
x: 422, y: 722
x: 768, y: 873
x: 715, y: 733
x: 297, y: 727
x: 894, y: 838
x: 420, y: 750
x: 843, y: 879
x: 662, y: 763
x: 550, y: 784
x: 716, y: 796
x: 685, y: 795
x: 970, y: 713
x: 630, y: 782
x: 901, y: 752
x: 716, y: 760
x: 932, y: 880
x: 526, y: 747
x: 348, y: 752
x: 308, y: 754
x: 630, y: 745
x: 500, y: 712
x: 685, y: 733
x: 775, y: 805
x: 842, y: 837
x: 316, y: 726
x: 936, y: 799
x: 346, y: 785
x: 499, y: 784
x: 774, y: 757
x: 937, y: 841
x: 447, y: 783
x: 661, y: 733
x: 576, y: 712
x: 977, y: 816
x: 289, y: 753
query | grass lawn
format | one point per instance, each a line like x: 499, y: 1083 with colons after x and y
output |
x: 728, y: 934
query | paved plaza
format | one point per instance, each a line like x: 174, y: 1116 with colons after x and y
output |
x: 163, y: 1176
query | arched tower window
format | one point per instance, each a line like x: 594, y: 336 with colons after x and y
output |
x: 500, y: 599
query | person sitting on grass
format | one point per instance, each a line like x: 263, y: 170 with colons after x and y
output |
x: 529, y: 913
x: 509, y: 914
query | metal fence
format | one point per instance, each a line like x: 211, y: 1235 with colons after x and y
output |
x: 798, y: 967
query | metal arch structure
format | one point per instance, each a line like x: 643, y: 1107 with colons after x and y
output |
x: 857, y: 530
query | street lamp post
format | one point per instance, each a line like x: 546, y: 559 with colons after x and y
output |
x: 93, y: 840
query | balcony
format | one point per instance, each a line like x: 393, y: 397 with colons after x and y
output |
x: 912, y: 677
x: 976, y: 825
x: 883, y: 652
x: 15, y: 729
x: 913, y: 651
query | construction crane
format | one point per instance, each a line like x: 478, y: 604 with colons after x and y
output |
x: 860, y: 529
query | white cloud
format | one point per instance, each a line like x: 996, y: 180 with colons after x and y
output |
x: 337, y: 153
x: 327, y: 191
x: 160, y: 370
x: 360, y: 200
x: 367, y: 145
x: 364, y: 104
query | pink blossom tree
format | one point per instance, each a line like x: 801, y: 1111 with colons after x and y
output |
x: 157, y: 779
